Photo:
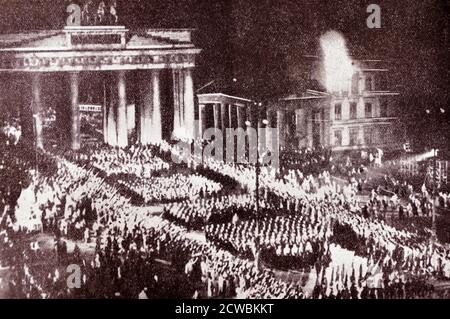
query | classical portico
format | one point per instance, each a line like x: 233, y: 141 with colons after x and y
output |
x: 117, y: 55
x: 221, y: 112
x: 224, y: 110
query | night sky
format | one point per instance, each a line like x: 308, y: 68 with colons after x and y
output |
x: 255, y: 41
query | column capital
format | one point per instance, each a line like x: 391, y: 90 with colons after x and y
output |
x: 36, y: 77
x: 156, y: 71
x: 121, y: 72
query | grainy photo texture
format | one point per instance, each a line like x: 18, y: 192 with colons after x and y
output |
x: 192, y: 149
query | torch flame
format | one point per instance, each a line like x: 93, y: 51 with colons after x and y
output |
x: 339, y: 68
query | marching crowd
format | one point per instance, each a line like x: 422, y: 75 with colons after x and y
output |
x: 116, y: 217
x: 287, y: 241
x: 305, y: 221
x: 306, y: 159
x: 198, y: 212
x: 172, y: 188
x: 141, y: 161
x: 379, y: 243
x: 325, y: 195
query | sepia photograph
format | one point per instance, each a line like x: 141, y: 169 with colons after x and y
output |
x: 224, y: 150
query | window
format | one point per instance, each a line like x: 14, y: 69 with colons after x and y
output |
x: 369, y: 83
x: 317, y: 118
x: 355, y: 80
x: 353, y: 107
x: 338, y: 111
x: 354, y: 136
x: 383, y: 109
x: 368, y: 110
x: 338, y: 138
x: 368, y: 135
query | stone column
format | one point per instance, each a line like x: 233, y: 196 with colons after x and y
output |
x: 253, y: 118
x: 238, y: 117
x: 178, y: 101
x: 156, y: 135
x: 300, y: 126
x: 189, y: 107
x: 146, y: 108
x: 75, y: 110
x: 122, y: 130
x: 230, y: 116
x: 216, y: 115
x: 37, y: 109
x: 327, y: 126
x: 26, y: 112
x: 281, y: 128
x: 222, y: 118
x: 112, y: 110
x: 309, y: 128
x: 268, y: 132
x: 201, y: 119
x: 105, y: 112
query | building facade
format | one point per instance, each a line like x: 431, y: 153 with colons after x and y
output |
x: 361, y: 116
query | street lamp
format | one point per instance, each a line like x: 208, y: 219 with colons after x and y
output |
x: 433, y: 196
x: 258, y: 160
x: 257, y: 173
x: 434, y: 191
x: 35, y: 119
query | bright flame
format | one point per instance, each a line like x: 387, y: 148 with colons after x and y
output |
x: 338, y: 65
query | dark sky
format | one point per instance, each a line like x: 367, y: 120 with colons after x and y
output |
x: 255, y: 41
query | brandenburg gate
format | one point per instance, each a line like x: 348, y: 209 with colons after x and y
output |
x: 116, y: 52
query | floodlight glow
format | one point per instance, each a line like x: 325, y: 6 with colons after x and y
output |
x: 338, y: 65
x: 179, y: 133
x: 427, y: 155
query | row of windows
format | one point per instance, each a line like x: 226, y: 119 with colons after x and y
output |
x: 369, y: 136
x: 355, y: 84
x: 368, y: 110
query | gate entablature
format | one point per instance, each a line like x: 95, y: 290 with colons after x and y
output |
x: 97, y: 48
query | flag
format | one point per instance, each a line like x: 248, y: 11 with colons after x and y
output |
x: 360, y: 272
x: 352, y: 277
x: 424, y: 189
x: 376, y: 277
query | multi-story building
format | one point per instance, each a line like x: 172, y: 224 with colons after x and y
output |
x: 362, y: 115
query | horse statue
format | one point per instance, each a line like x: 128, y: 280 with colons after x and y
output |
x: 113, y: 13
x: 101, y: 12
x: 86, y: 15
